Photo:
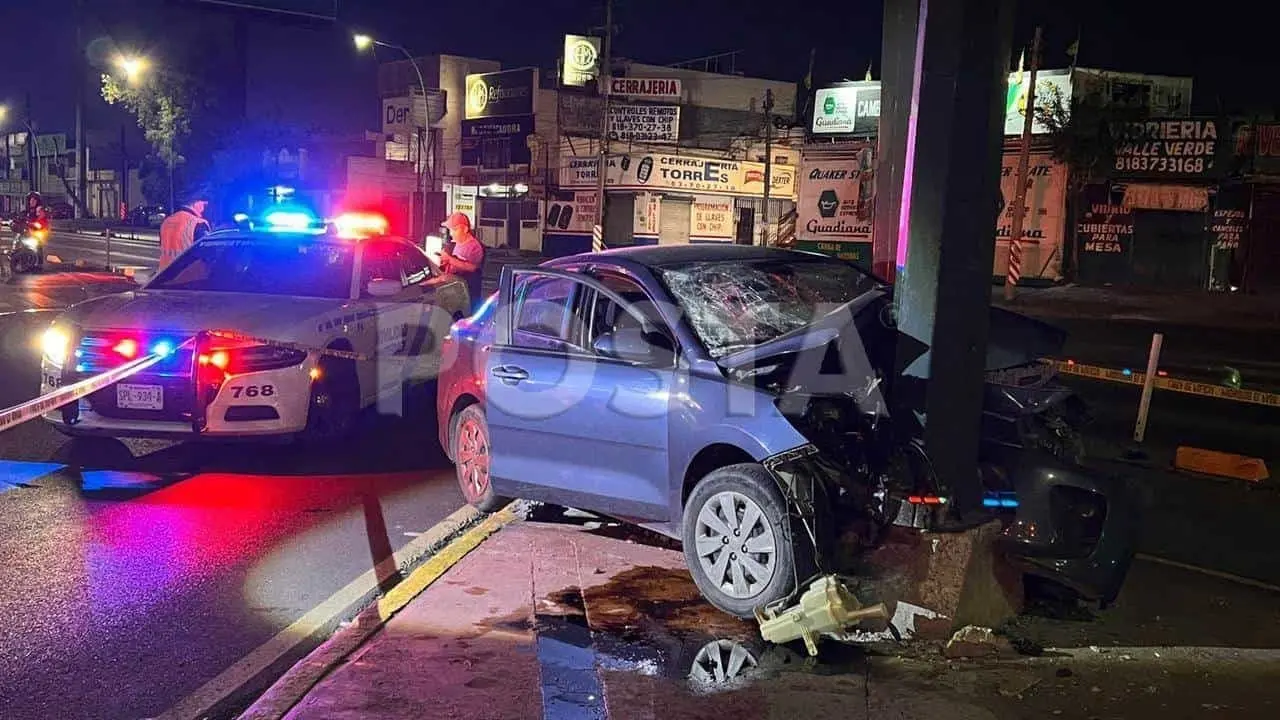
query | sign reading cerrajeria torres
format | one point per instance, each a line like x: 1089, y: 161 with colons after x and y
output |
x: 1183, y: 148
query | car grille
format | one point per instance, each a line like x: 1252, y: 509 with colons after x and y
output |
x: 95, y: 354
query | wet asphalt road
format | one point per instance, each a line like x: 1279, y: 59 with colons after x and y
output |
x: 131, y: 581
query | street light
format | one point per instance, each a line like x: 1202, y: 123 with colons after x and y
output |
x: 131, y: 66
x: 365, y: 43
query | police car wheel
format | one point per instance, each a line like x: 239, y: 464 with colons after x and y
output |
x: 335, y: 400
x: 471, y: 458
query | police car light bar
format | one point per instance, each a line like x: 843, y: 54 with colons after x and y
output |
x: 292, y: 221
x: 356, y: 225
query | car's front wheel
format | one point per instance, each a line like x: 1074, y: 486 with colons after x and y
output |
x: 738, y: 540
x: 471, y: 458
x: 334, y: 403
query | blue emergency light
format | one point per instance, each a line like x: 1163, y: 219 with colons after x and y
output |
x: 1000, y: 500
x: 292, y: 220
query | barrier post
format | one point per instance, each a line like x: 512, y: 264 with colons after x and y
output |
x: 1148, y: 387
x: 108, y: 249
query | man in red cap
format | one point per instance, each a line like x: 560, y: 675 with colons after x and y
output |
x: 464, y: 258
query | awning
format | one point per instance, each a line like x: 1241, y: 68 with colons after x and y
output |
x: 1186, y: 198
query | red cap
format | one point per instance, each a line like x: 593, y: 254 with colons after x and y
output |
x: 458, y: 221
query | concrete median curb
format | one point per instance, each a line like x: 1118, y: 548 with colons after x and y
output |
x: 294, y: 685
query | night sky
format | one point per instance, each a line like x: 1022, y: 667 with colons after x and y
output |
x: 313, y: 72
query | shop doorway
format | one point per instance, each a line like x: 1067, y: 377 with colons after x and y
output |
x: 1170, y: 250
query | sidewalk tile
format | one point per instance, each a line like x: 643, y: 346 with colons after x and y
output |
x: 462, y: 649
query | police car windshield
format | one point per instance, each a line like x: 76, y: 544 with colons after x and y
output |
x: 269, y: 266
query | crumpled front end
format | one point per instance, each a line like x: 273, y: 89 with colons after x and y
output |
x: 1073, y: 525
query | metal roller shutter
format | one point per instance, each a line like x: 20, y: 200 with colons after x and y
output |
x: 673, y: 228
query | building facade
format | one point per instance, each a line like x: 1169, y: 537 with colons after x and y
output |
x: 686, y: 159
x: 838, y: 165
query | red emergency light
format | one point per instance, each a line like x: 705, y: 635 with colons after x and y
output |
x: 926, y: 500
x: 357, y: 225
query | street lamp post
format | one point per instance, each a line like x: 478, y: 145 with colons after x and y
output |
x: 367, y: 42
x: 133, y: 67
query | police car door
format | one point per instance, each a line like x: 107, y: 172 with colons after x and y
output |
x: 424, y: 319
x: 379, y: 334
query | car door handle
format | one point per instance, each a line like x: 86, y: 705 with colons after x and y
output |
x: 510, y: 374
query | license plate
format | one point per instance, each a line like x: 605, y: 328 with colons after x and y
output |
x: 140, y: 397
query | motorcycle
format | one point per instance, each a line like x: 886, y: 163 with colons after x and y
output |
x: 28, y: 250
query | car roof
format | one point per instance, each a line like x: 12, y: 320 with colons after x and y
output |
x: 659, y: 255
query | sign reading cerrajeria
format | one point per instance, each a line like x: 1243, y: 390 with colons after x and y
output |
x: 498, y: 94
x: 1186, y: 148
x: 668, y: 89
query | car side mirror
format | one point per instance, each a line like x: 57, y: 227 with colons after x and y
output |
x: 384, y: 288
x: 634, y: 345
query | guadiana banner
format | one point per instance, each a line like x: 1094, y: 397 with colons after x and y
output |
x: 836, y: 209
x: 1042, y: 226
x: 836, y: 204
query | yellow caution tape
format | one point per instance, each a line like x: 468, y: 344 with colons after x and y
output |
x: 55, y: 399
x: 1186, y: 387
x: 344, y: 354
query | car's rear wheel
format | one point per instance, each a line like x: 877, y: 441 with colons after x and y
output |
x: 335, y: 401
x: 471, y: 458
x: 738, y: 540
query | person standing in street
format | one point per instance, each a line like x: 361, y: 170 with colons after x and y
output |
x: 183, y: 228
x: 464, y: 257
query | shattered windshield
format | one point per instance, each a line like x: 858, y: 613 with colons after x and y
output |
x: 736, y: 304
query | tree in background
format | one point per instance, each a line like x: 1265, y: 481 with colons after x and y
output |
x: 162, y: 107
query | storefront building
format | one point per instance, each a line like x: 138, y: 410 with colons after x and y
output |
x: 685, y: 164
x: 1170, y: 215
x: 659, y: 199
x: 837, y: 174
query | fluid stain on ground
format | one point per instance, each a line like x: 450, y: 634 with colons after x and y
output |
x: 646, y: 599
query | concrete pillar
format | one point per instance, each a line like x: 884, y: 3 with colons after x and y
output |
x: 942, y: 124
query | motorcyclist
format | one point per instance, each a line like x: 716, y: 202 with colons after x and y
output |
x: 183, y: 228
x: 36, y: 211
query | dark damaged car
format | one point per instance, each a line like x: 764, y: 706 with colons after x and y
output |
x: 742, y: 401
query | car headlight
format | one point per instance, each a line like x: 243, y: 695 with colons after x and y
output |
x: 56, y: 344
x: 31, y: 243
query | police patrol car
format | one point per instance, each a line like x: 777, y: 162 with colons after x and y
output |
x: 288, y: 327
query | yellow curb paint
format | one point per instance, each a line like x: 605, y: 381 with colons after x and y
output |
x: 285, y: 642
x: 430, y: 571
x: 1220, y: 464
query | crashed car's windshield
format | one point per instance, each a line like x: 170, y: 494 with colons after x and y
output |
x: 735, y: 304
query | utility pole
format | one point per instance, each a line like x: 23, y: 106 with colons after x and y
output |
x: 124, y: 172
x: 1014, y: 271
x: 768, y: 164
x: 81, y: 175
x: 31, y: 148
x: 603, y: 79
